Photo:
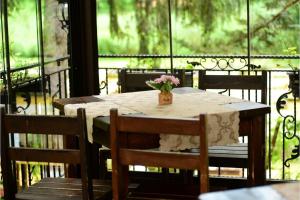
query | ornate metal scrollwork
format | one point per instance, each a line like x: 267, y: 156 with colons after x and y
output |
x: 253, y: 67
x: 103, y: 85
x: 228, y: 63
x: 223, y: 91
x: 220, y: 63
x: 26, y: 97
x: 289, y: 127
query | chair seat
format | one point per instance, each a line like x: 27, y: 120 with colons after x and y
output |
x: 63, y: 189
x: 235, y: 155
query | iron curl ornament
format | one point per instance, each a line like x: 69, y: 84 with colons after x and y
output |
x: 289, y: 128
x: 27, y: 99
x: 223, y: 63
x: 103, y: 85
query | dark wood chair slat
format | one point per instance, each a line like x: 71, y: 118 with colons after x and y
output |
x: 45, y: 155
x: 240, y: 82
x: 32, y: 124
x: 157, y: 158
x: 231, y: 82
x: 155, y: 125
x: 135, y: 81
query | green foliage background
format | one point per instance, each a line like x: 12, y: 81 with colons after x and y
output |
x: 199, y: 27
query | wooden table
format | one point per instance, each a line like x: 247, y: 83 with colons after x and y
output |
x: 252, y: 123
x: 285, y: 191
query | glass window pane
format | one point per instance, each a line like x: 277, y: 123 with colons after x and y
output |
x: 209, y: 27
x: 133, y: 27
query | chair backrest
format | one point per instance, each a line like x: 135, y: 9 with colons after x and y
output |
x: 239, y: 82
x: 122, y: 156
x: 133, y: 81
x: 43, y: 125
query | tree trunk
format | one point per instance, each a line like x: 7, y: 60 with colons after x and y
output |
x: 113, y: 20
x: 55, y: 38
x: 55, y: 43
x: 143, y: 26
x: 161, y: 27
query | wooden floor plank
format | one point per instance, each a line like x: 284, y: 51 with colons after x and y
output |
x: 64, y: 189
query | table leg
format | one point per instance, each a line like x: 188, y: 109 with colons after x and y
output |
x: 94, y: 159
x: 72, y: 171
x: 69, y: 142
x: 104, y: 154
x: 257, y: 169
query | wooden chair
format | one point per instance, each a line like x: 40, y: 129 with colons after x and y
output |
x: 49, y: 188
x: 122, y: 156
x: 233, y: 155
x: 135, y: 81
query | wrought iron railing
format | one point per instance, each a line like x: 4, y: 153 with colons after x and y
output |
x: 33, y: 94
x: 28, y: 82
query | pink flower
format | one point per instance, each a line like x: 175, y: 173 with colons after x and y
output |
x: 172, y: 79
x: 175, y: 80
x: 164, y: 78
x: 164, y: 83
x: 158, y: 80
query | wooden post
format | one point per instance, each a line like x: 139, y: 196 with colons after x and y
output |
x: 84, y: 77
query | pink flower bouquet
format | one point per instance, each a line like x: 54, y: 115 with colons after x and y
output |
x: 165, y: 83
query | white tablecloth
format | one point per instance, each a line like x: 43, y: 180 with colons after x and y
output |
x: 222, y: 123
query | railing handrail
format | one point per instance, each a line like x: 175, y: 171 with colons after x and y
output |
x: 197, y: 56
x: 58, y: 71
x: 30, y: 66
x: 196, y: 69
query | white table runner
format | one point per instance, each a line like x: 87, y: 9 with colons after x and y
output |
x: 222, y: 124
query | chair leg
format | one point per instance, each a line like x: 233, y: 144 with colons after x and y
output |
x: 187, y: 176
x: 94, y: 159
x: 104, y: 154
